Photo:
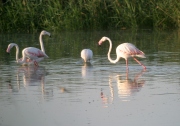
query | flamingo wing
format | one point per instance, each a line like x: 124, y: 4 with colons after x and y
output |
x: 130, y: 50
x: 34, y: 53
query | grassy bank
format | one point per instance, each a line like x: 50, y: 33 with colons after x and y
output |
x: 33, y: 15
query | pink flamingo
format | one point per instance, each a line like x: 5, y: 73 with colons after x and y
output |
x: 30, y: 54
x: 125, y: 51
x: 86, y: 55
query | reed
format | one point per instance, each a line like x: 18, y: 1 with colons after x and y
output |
x: 58, y: 15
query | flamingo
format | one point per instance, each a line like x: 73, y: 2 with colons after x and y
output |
x: 86, y: 55
x: 124, y: 50
x: 30, y: 54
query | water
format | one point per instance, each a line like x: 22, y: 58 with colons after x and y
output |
x: 64, y: 91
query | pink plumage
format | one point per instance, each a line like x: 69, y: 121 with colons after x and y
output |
x: 125, y: 51
x: 30, y: 54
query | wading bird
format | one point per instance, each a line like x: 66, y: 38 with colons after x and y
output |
x: 86, y: 55
x: 125, y: 51
x: 30, y: 54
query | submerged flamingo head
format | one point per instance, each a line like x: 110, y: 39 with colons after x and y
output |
x: 10, y: 47
x: 102, y: 40
x: 45, y: 33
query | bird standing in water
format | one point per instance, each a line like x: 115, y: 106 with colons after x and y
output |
x: 86, y: 55
x: 125, y: 51
x: 30, y: 54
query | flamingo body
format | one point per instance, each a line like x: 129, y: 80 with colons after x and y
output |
x: 34, y: 53
x: 86, y: 55
x: 125, y: 50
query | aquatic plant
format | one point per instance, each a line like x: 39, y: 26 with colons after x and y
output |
x: 58, y: 15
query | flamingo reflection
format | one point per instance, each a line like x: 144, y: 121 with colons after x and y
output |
x: 34, y: 76
x: 128, y: 86
x: 125, y: 87
x: 86, y: 69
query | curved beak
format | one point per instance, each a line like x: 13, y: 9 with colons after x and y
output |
x: 100, y: 42
x: 7, y: 51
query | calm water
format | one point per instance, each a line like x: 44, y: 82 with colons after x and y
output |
x: 64, y: 91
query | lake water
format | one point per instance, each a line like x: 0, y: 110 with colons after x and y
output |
x: 64, y: 91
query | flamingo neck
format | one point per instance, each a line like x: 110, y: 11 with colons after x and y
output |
x: 20, y: 61
x: 17, y: 52
x: 109, y: 57
x: 41, y: 43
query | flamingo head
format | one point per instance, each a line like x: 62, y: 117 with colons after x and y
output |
x: 10, y: 47
x: 45, y: 33
x: 102, y: 40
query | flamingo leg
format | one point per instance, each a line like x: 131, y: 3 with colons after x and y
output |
x: 35, y: 63
x: 127, y: 74
x: 139, y: 62
x: 127, y: 65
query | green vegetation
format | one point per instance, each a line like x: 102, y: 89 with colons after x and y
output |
x: 57, y: 15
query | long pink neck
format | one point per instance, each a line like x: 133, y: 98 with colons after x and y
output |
x: 109, y: 57
x: 23, y: 59
x: 41, y: 43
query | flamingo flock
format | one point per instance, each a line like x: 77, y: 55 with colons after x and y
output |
x: 30, y: 55
x: 33, y: 55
